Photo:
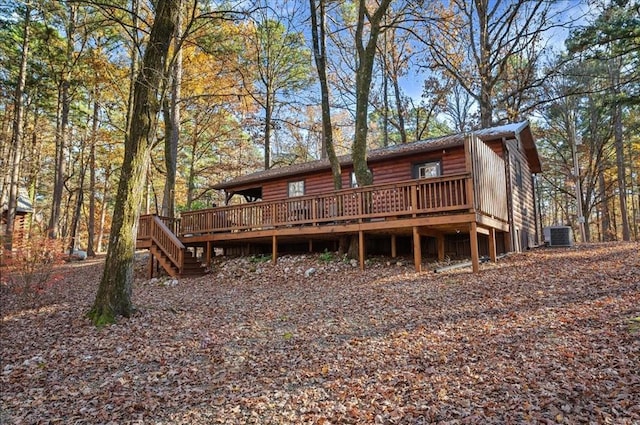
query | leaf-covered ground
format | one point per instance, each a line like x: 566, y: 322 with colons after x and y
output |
x: 547, y: 336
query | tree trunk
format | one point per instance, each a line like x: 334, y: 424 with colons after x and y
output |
x: 34, y: 172
x: 318, y: 35
x: 78, y: 208
x: 133, y: 66
x: 400, y: 110
x: 354, y: 245
x: 16, y: 138
x: 62, y: 128
x: 268, y: 111
x: 619, y: 143
x: 366, y: 57
x: 114, y: 293
x: 172, y: 127
x: 191, y: 178
x: 604, y: 209
x: 91, y: 224
x: 385, y: 97
x: 635, y: 189
x: 484, y: 68
x: 103, y: 210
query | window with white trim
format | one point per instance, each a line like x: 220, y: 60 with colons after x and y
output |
x: 427, y: 170
x: 296, y: 188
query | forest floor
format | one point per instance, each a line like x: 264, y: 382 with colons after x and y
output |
x: 546, y: 336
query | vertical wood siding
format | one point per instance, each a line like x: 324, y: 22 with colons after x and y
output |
x: 489, y: 181
x: 522, y: 192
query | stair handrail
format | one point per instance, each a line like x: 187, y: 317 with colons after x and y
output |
x: 168, y: 242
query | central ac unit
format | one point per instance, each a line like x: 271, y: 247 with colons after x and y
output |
x: 558, y: 236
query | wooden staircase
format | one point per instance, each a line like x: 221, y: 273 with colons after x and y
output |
x: 170, y: 253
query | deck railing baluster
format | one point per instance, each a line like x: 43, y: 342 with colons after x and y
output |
x: 415, y: 197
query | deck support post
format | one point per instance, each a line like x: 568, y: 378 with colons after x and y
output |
x: 274, y: 249
x: 440, y: 242
x: 394, y: 247
x: 361, y: 249
x: 310, y: 245
x: 492, y: 245
x: 473, y: 236
x: 507, y: 241
x: 150, y: 265
x: 208, y: 251
x: 417, y: 250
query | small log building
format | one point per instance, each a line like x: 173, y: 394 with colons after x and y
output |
x: 460, y: 195
x: 20, y: 224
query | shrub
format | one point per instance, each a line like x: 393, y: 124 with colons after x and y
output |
x: 326, y: 256
x: 259, y: 258
x: 29, y: 272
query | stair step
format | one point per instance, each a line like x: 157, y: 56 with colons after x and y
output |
x: 191, y: 265
x: 193, y: 271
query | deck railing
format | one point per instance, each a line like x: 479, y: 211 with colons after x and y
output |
x: 403, y: 199
x: 145, y: 224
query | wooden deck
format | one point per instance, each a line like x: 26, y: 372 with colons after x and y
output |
x: 432, y: 207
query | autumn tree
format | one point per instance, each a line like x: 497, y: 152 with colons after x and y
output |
x: 17, y: 134
x: 114, y: 293
x: 571, y: 122
x: 276, y: 67
x: 213, y: 102
x: 319, y: 42
x: 172, y: 124
x: 63, y: 70
x: 614, y: 37
x: 368, y: 27
x: 483, y: 45
x: 396, y: 48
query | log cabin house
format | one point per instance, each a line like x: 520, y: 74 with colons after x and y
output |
x: 20, y: 224
x: 459, y: 195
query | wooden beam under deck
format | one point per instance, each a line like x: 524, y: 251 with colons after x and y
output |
x: 330, y: 230
x: 491, y: 223
x: 433, y: 226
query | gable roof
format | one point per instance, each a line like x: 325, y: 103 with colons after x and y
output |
x: 23, y: 202
x: 520, y: 131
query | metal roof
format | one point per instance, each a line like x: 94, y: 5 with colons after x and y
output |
x: 23, y: 206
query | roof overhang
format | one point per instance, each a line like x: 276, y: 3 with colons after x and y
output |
x: 23, y: 205
x: 520, y: 131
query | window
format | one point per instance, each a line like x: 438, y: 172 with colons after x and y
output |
x: 296, y: 188
x: 427, y: 170
x: 518, y: 173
